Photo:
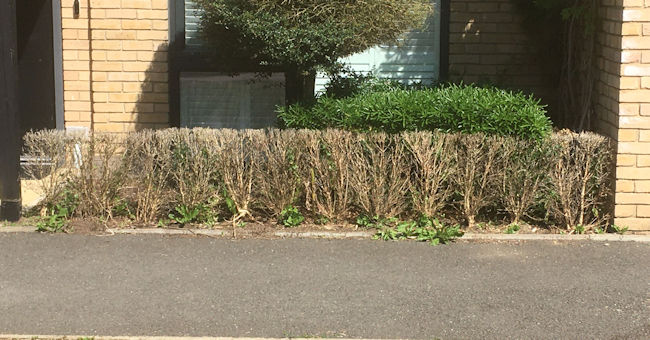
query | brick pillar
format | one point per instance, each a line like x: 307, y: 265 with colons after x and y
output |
x: 121, y: 62
x: 633, y: 121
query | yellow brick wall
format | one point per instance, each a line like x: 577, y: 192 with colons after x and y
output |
x: 608, y: 63
x: 631, y: 114
x: 487, y: 43
x: 115, y: 73
x: 115, y: 64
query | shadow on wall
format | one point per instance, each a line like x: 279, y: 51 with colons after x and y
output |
x: 494, y: 49
x: 151, y: 110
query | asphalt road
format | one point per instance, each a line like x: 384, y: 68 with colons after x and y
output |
x: 174, y: 286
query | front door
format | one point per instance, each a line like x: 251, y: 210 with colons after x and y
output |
x: 36, y: 96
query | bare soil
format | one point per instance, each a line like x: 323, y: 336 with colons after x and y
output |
x: 88, y: 226
x: 267, y: 228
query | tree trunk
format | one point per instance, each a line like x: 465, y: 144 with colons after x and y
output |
x: 299, y: 85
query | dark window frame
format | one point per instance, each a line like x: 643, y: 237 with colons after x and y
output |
x: 182, y: 59
x: 57, y: 45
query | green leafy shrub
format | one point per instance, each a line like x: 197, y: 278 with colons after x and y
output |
x: 453, y: 108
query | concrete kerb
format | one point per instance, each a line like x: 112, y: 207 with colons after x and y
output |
x: 12, y: 229
x: 76, y: 337
x: 361, y: 234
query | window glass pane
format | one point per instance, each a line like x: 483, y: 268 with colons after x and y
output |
x: 415, y: 58
x: 192, y: 19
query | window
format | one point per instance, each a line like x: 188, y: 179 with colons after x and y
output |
x: 420, y: 56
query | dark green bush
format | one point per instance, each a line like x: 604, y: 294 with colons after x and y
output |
x: 453, y: 108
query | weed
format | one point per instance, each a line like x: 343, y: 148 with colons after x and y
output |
x: 619, y: 230
x: 364, y: 221
x: 185, y: 214
x: 375, y: 222
x: 512, y: 229
x: 424, y: 229
x: 291, y: 217
x: 200, y: 214
x: 322, y: 220
x: 58, y: 214
x: 579, y: 229
x: 436, y: 232
x: 386, y: 234
x: 162, y: 222
x: 52, y: 223
x: 122, y: 208
x: 408, y: 229
x: 230, y: 204
x: 599, y: 230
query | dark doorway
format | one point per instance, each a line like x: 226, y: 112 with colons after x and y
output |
x: 36, y: 91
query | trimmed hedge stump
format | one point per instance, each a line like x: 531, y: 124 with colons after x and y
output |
x: 203, y: 175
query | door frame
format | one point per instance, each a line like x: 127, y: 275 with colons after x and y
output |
x: 57, y: 47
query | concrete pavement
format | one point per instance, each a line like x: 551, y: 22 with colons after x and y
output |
x: 198, y: 286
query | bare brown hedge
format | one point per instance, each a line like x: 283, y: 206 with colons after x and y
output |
x: 335, y: 175
x: 325, y: 173
x: 433, y: 167
x: 581, y: 178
